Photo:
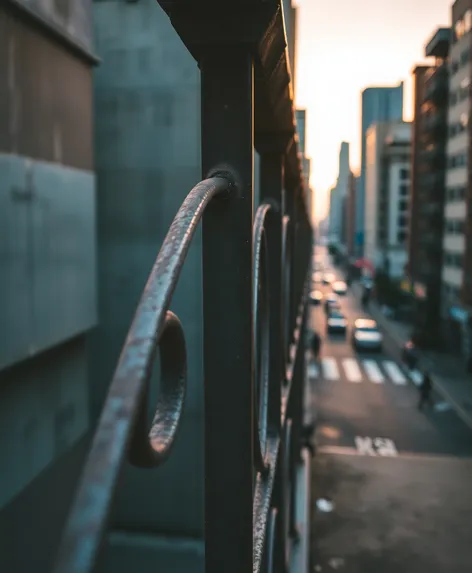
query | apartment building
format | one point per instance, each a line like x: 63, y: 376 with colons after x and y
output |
x: 428, y: 169
x: 387, y: 189
x: 378, y: 103
x: 457, y: 257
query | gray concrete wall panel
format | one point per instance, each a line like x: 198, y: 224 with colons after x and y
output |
x: 48, y: 256
x: 43, y: 412
x: 147, y: 159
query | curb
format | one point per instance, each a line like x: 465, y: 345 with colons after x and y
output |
x: 463, y: 415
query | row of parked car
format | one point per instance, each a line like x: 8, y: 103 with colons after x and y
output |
x: 365, y: 334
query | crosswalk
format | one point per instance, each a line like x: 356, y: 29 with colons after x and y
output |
x: 355, y: 370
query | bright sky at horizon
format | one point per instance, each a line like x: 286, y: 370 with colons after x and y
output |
x: 343, y: 47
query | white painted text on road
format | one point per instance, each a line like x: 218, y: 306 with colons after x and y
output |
x: 367, y: 446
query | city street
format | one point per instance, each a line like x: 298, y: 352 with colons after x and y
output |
x: 390, y: 482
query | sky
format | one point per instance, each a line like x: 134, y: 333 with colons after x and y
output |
x: 344, y: 46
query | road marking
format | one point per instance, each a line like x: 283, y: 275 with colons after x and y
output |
x: 313, y: 371
x: 373, y: 371
x: 352, y: 370
x: 416, y: 377
x: 394, y: 372
x: 367, y: 446
x: 330, y: 369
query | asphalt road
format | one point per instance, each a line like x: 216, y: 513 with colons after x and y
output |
x: 398, y: 478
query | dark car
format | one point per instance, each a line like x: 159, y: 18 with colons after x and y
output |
x: 336, y: 322
x: 316, y: 297
x: 330, y: 301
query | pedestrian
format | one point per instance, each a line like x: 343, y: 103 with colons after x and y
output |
x: 316, y: 345
x: 426, y: 388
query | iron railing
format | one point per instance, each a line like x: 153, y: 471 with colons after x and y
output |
x: 255, y: 281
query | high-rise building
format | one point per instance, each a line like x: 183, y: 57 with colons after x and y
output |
x: 457, y: 257
x: 378, y: 104
x: 387, y: 183
x: 426, y: 224
x: 350, y: 220
x: 300, y: 116
x: 337, y: 196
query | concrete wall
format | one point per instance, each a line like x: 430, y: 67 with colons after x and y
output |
x: 72, y: 18
x: 47, y: 291
x: 147, y: 103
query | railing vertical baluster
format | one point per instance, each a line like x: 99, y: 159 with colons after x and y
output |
x: 292, y: 298
x: 272, y: 190
x: 227, y: 80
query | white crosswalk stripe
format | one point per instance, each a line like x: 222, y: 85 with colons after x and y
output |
x: 416, y: 377
x: 313, y: 370
x: 330, y: 369
x: 394, y: 372
x: 373, y: 371
x: 352, y: 370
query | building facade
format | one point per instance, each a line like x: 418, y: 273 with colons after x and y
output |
x: 338, y: 195
x: 426, y: 229
x: 378, y: 104
x: 350, y: 220
x: 300, y: 116
x: 388, y: 147
x: 48, y: 289
x: 457, y: 258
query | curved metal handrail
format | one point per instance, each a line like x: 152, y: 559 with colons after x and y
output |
x: 261, y: 334
x: 122, y: 428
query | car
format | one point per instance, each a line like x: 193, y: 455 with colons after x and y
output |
x: 366, y: 335
x: 336, y: 322
x: 328, y: 278
x: 316, y: 297
x: 339, y: 287
x: 330, y: 300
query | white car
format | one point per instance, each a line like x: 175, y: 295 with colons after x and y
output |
x: 366, y: 335
x: 339, y: 287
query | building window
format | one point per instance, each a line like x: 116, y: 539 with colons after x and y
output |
x: 453, y: 260
x: 401, y: 220
x: 403, y: 190
x: 401, y: 237
x: 402, y: 205
x: 465, y: 57
x: 459, y: 160
x: 404, y: 174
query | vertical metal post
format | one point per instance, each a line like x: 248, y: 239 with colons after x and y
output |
x: 271, y: 180
x: 227, y: 85
x: 289, y: 284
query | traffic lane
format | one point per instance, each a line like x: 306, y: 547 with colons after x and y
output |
x: 363, y: 395
x: 391, y: 514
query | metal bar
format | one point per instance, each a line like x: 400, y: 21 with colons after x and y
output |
x: 122, y: 424
x: 227, y: 85
x: 272, y: 190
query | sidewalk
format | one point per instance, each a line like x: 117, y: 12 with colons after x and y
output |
x: 450, y: 380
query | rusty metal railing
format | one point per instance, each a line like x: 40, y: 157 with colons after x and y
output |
x: 255, y: 281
